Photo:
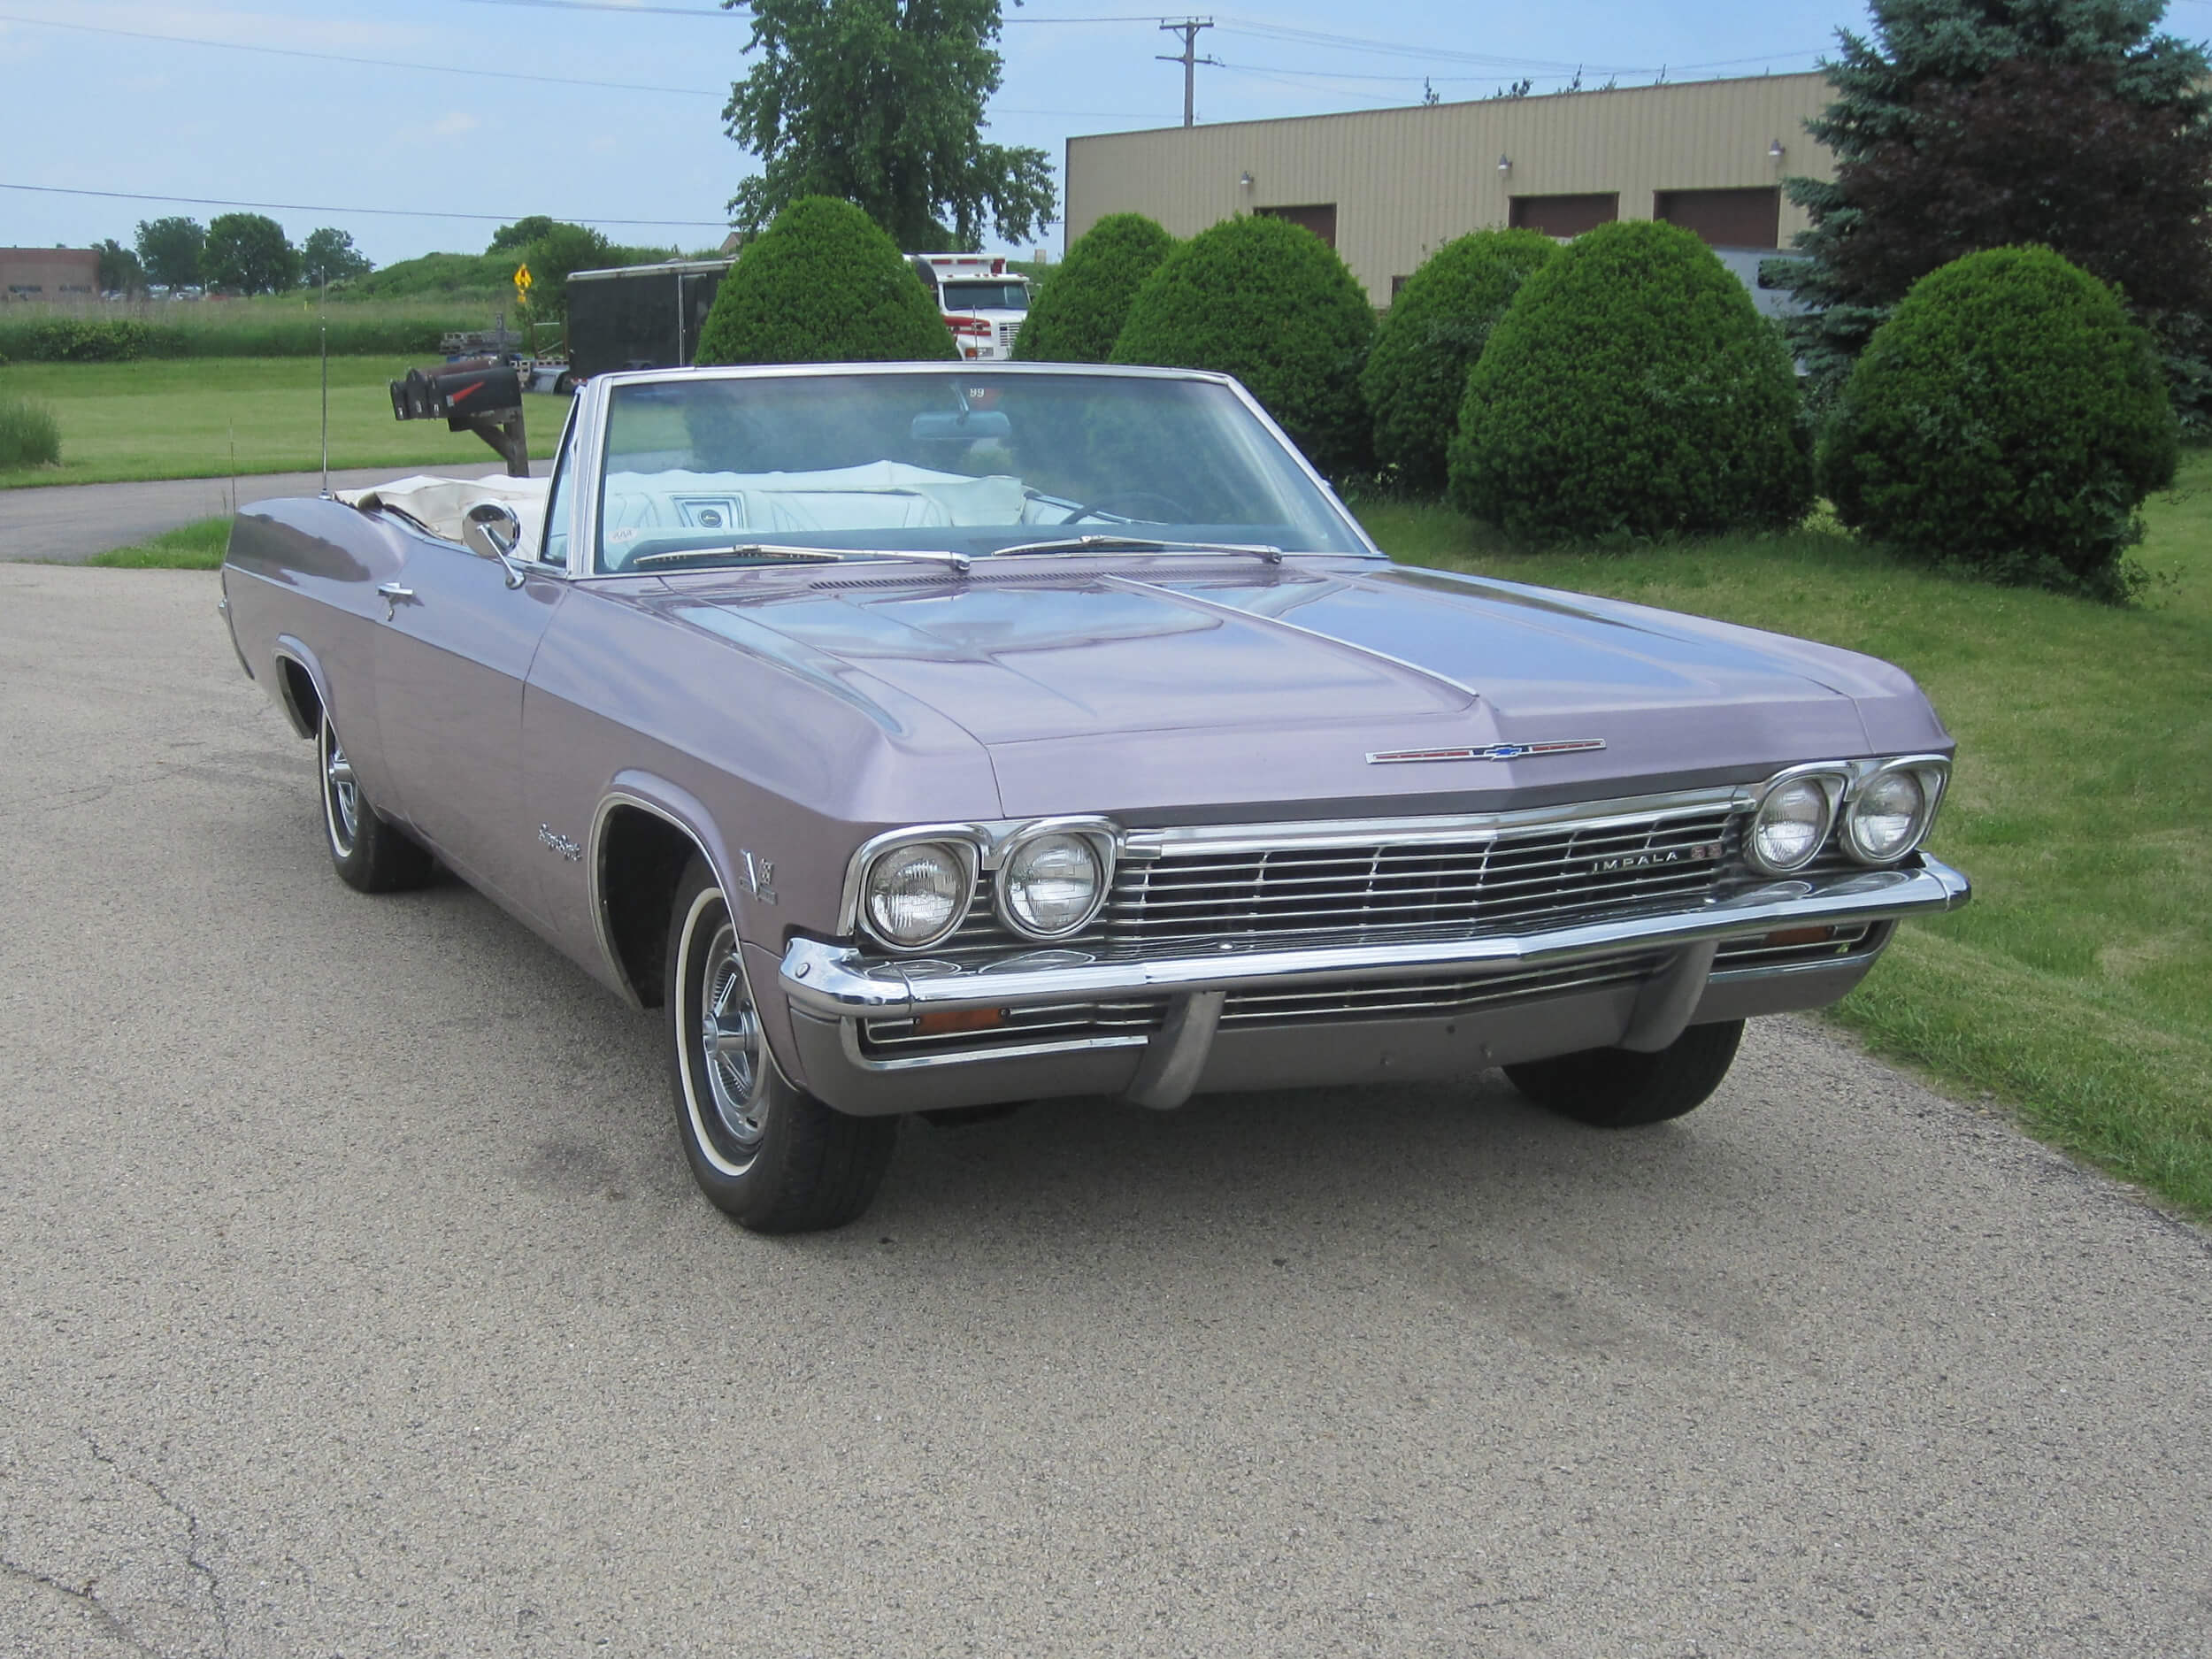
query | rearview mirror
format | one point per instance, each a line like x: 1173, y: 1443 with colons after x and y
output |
x: 491, y: 530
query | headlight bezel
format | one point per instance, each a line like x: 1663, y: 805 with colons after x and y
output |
x: 1931, y: 772
x: 984, y: 848
x: 1098, y: 838
x: 966, y: 855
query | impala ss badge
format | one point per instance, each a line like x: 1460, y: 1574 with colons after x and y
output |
x: 560, y: 844
x: 1488, y: 751
x: 1697, y: 852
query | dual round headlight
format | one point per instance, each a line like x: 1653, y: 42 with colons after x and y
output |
x: 1889, y: 814
x: 1792, y: 823
x: 1050, y: 884
x: 917, y: 895
x: 1885, y: 815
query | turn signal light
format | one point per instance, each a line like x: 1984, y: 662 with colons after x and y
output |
x: 1802, y: 936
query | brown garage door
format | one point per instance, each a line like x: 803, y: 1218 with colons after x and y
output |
x: 1726, y: 219
x: 1563, y: 215
x: 1319, y: 219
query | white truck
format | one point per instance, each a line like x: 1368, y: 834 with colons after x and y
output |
x: 982, y: 302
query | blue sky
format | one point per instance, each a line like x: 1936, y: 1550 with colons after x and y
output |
x: 114, y: 110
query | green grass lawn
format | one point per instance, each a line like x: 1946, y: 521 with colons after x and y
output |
x: 199, y: 546
x: 2078, y: 986
x: 181, y: 417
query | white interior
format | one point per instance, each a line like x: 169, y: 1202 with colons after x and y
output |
x: 440, y: 503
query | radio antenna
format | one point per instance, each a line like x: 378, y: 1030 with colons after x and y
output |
x: 323, y: 328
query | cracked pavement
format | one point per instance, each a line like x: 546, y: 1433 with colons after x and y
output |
x: 357, y: 1303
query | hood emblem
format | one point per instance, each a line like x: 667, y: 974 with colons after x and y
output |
x: 1487, y: 751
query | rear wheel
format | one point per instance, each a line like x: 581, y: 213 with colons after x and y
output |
x: 760, y: 1147
x: 370, y: 855
x: 1615, y: 1088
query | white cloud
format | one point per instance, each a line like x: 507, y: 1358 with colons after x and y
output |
x: 454, y: 125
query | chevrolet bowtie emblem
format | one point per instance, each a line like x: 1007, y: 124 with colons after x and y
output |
x: 1488, y: 751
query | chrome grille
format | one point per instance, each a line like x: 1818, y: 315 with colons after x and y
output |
x: 1542, y: 876
x: 1436, y: 993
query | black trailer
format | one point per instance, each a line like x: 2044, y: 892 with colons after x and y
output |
x: 639, y: 316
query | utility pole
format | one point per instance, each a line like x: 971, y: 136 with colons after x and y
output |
x: 1189, y: 58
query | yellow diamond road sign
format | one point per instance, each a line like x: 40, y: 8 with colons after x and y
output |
x: 522, y: 279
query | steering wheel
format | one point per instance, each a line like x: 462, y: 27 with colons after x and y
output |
x: 1144, y: 506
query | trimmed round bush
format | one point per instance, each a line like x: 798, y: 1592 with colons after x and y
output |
x: 1631, y: 389
x: 1270, y: 303
x: 824, y: 285
x: 1417, y: 376
x: 30, y: 435
x: 1079, y: 313
x: 2008, y: 417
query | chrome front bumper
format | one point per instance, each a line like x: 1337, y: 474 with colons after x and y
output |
x: 834, y: 981
x: 831, y: 988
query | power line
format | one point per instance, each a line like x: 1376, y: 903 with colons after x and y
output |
x: 375, y: 63
x: 609, y: 5
x: 381, y: 212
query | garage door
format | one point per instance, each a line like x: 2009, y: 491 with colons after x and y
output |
x: 1726, y: 219
x: 1563, y: 215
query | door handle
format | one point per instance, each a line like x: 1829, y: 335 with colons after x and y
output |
x: 392, y: 593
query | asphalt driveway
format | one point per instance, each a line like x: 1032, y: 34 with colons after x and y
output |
x: 354, y: 1301
x: 69, y: 523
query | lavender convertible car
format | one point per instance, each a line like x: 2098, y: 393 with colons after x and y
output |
x: 927, y: 739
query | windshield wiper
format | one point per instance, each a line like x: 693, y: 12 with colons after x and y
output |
x: 782, y: 554
x: 1140, y: 544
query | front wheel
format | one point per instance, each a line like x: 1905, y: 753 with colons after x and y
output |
x: 369, y: 855
x: 760, y: 1147
x: 1615, y: 1088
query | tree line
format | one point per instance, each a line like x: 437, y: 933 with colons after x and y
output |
x: 237, y: 253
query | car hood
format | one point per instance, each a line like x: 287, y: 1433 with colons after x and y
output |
x: 1155, y: 685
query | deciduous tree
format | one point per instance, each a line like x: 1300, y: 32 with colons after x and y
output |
x: 329, y: 256
x: 170, y: 249
x: 120, y: 272
x: 880, y: 103
x: 249, y: 253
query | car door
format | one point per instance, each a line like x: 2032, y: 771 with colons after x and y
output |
x: 451, y: 655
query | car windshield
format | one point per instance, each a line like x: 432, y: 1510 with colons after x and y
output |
x: 965, y: 462
x: 984, y: 296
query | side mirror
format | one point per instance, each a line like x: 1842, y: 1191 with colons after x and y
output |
x: 491, y: 530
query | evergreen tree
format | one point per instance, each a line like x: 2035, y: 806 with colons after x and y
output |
x: 1961, y: 125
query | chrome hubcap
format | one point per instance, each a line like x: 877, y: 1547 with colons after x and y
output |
x: 730, y: 1042
x: 340, y: 793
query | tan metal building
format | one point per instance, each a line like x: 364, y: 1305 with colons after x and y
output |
x: 49, y: 274
x: 1386, y: 187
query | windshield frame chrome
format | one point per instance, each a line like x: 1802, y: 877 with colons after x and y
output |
x: 596, y: 400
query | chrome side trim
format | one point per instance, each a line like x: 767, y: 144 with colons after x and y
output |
x: 596, y: 896
x: 834, y: 981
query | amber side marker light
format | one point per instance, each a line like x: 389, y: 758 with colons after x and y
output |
x: 1800, y: 936
x: 959, y: 1020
